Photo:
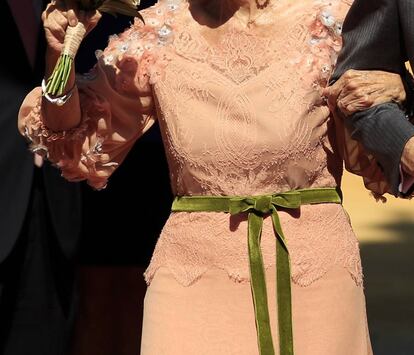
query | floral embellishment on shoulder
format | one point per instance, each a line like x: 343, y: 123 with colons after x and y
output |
x: 143, y: 40
x: 324, y: 25
x: 325, y: 43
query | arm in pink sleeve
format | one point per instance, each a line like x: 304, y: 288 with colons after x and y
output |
x: 117, y: 108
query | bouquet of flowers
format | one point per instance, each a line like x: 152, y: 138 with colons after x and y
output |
x: 56, y: 84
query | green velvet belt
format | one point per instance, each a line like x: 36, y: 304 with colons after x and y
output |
x: 257, y: 207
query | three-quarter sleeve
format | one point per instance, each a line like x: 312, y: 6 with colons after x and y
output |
x: 117, y: 107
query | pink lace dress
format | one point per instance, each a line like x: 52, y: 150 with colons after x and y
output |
x: 239, y: 115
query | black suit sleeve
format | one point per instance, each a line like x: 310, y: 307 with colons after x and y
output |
x: 384, y: 131
x: 373, y: 41
x: 371, y: 38
x: 406, y: 15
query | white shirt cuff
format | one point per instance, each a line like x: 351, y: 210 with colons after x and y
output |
x: 406, y: 181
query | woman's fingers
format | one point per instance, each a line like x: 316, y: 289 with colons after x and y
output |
x: 61, y: 20
x: 90, y: 19
x: 72, y: 18
x: 332, y: 93
x: 55, y: 23
x: 72, y: 12
x: 58, y: 8
x: 350, y: 107
x: 60, y: 14
x: 361, y: 99
x: 360, y: 92
x: 374, y: 94
x: 352, y: 104
x: 57, y: 30
x: 357, y: 90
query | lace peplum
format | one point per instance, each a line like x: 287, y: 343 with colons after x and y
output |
x: 192, y: 243
x: 240, y: 114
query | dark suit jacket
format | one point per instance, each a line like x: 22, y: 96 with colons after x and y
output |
x: 120, y: 241
x: 379, y: 35
x: 17, y: 78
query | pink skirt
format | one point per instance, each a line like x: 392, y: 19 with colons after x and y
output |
x: 215, y: 316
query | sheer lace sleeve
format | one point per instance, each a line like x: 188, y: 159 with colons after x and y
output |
x: 358, y: 161
x: 325, y: 45
x: 116, y: 104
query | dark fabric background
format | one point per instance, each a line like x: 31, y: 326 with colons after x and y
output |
x: 120, y: 227
x: 122, y: 223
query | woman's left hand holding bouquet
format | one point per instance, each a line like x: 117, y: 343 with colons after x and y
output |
x: 59, y: 19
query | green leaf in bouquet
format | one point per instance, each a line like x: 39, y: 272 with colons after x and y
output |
x: 113, y: 7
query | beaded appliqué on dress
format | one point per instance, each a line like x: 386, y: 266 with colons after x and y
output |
x: 145, y: 42
x: 324, y: 44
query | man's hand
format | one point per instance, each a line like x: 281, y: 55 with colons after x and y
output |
x: 407, y: 158
x: 358, y: 90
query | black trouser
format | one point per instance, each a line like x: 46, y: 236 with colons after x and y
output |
x: 36, y: 287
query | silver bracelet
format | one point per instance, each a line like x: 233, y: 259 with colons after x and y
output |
x: 57, y: 100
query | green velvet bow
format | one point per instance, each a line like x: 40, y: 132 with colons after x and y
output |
x: 257, y: 207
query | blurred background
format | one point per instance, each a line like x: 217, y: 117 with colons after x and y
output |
x: 386, y: 235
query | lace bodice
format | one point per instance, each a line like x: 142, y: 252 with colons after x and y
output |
x: 244, y: 115
x: 240, y: 114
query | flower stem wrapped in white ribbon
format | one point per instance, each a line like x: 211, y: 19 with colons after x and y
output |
x: 57, y: 82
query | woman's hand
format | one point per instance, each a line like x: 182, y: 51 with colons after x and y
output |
x: 58, y: 16
x: 358, y: 90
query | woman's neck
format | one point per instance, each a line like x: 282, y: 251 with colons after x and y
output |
x: 222, y: 10
x: 246, y: 9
